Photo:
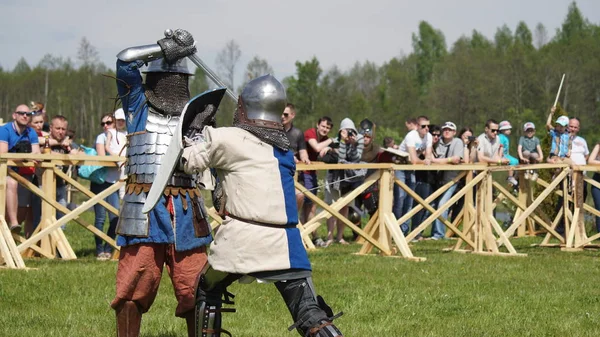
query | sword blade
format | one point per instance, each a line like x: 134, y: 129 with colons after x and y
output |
x: 212, y: 75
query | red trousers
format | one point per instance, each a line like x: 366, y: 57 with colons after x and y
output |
x: 140, y: 270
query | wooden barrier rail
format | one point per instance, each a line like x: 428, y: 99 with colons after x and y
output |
x: 476, y: 228
x: 48, y: 238
x: 481, y: 233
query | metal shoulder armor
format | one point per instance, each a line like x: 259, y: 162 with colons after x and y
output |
x: 144, y: 53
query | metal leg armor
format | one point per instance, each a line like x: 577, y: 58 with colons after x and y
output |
x: 129, y: 320
x: 210, y: 296
x: 312, y: 316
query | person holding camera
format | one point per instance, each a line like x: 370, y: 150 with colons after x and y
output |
x: 17, y: 137
x: 340, y: 182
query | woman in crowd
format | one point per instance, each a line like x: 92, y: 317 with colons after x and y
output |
x: 104, y: 250
x: 37, y: 123
x: 470, y: 154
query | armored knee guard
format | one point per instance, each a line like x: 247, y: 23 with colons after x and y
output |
x: 312, y: 316
x: 211, y: 294
x: 129, y: 320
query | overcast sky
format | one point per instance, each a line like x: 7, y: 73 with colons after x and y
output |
x: 282, y: 32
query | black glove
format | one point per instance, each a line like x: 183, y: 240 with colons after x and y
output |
x: 178, y: 45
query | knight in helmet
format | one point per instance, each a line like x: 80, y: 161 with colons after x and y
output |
x: 175, y: 232
x: 258, y: 238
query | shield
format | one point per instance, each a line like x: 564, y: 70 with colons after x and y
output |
x: 171, y: 158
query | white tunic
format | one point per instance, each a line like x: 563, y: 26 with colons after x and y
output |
x: 258, y: 182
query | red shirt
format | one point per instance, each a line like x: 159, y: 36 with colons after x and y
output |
x: 312, y: 134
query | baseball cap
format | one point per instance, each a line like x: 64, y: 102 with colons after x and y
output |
x: 562, y: 120
x: 449, y: 125
x: 528, y: 126
x: 119, y: 114
x: 504, y: 125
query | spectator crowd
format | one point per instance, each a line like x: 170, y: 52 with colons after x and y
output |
x: 32, y: 131
x: 424, y: 143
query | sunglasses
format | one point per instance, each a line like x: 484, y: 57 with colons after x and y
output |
x: 106, y: 123
x: 285, y: 114
x: 494, y: 130
x: 435, y: 134
x: 24, y: 113
x: 423, y: 126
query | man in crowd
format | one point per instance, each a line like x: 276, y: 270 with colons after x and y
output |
x: 318, y: 143
x: 425, y: 182
x: 61, y: 144
x: 297, y: 142
x: 578, y: 153
x: 418, y: 144
x: 449, y: 151
x: 488, y: 148
x: 258, y: 237
x: 295, y: 135
x: 578, y: 148
x: 17, y: 137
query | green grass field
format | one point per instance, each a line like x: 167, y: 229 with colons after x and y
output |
x: 548, y: 293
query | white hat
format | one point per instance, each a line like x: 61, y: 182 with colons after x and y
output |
x: 449, y: 125
x: 504, y: 125
x: 563, y: 120
x: 528, y: 125
x: 119, y: 114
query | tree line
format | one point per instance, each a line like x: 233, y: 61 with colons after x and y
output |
x: 514, y: 76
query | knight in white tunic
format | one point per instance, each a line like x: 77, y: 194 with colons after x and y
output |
x: 258, y: 238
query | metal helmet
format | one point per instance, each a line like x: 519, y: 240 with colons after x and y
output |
x: 366, y: 127
x: 261, y: 103
x: 162, y: 66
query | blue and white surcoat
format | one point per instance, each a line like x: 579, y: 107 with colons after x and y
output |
x: 179, y: 217
x: 260, y: 232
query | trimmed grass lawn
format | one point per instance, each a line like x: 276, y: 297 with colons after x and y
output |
x: 548, y: 293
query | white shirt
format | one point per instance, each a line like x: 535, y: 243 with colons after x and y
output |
x: 117, y: 142
x: 579, y: 150
x: 413, y: 139
x: 112, y: 173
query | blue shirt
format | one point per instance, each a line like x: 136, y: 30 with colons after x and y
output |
x: 560, y: 143
x: 9, y: 135
x: 505, y: 143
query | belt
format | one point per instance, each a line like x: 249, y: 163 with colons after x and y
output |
x: 258, y: 223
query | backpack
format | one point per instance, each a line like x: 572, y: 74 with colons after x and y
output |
x: 92, y: 173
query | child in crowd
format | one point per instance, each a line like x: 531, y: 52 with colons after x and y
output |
x: 505, y: 130
x: 529, y: 150
x: 411, y: 124
x: 559, y: 136
x: 389, y: 142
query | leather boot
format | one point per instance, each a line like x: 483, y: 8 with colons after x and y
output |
x: 129, y: 320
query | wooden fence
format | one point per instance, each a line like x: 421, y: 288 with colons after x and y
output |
x: 476, y: 228
x: 48, y: 239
